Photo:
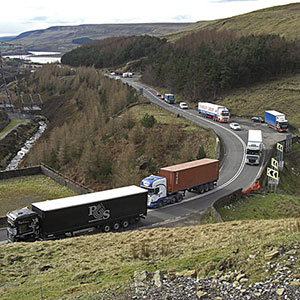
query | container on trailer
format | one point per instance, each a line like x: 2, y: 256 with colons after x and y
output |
x: 190, y: 174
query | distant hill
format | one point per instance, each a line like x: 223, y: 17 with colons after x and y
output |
x: 283, y: 20
x: 6, y: 38
x: 65, y: 38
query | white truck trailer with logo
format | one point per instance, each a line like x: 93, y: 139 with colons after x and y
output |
x: 254, y: 147
x: 214, y: 111
x: 52, y: 219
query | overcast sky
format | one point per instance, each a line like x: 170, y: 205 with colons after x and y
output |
x: 24, y: 15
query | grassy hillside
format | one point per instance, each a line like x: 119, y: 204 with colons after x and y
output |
x: 283, y: 20
x: 22, y: 191
x: 94, y: 137
x: 65, y: 38
x: 280, y: 94
x: 86, y: 266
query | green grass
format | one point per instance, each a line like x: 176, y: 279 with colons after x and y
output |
x: 166, y: 118
x: 282, y: 20
x: 289, y: 182
x: 12, y: 123
x: 81, y: 267
x: 269, y: 206
x: 280, y: 94
x: 19, y: 192
x: 283, y: 204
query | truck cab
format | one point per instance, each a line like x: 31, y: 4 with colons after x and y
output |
x: 169, y: 98
x: 157, y: 190
x: 253, y: 153
x: 223, y: 115
x: 22, y: 225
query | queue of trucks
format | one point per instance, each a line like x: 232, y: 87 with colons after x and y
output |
x: 111, y: 209
x: 116, y: 208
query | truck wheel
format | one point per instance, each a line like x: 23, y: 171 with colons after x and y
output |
x: 160, y: 204
x: 106, y: 228
x: 211, y: 186
x: 200, y: 189
x: 116, y: 226
x: 125, y: 224
x: 179, y: 198
x: 206, y: 187
x: 173, y: 200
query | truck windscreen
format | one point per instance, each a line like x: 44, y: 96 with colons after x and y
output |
x: 252, y: 152
x: 283, y: 125
x: 225, y: 113
x: 152, y: 191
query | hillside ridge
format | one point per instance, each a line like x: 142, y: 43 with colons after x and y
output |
x: 42, y: 39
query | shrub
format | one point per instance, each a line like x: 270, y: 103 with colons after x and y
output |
x: 148, y: 121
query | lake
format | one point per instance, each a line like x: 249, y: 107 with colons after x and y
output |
x: 39, y: 57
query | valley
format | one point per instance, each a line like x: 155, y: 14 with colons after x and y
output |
x: 106, y: 130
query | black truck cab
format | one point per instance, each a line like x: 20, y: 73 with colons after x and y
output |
x: 22, y: 225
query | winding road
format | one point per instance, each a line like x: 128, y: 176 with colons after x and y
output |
x: 234, y: 173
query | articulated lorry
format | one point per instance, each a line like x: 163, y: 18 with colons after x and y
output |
x: 214, y: 111
x: 59, y: 218
x: 276, y: 120
x: 169, y: 98
x: 254, y: 147
x: 172, y: 182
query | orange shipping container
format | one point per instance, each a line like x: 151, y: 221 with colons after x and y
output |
x: 190, y: 174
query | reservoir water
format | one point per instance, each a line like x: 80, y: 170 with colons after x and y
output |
x: 39, y: 57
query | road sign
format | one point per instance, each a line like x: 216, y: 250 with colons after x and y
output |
x: 274, y: 163
x: 279, y: 147
x: 272, y: 173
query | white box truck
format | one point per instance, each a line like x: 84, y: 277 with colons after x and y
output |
x: 254, y: 147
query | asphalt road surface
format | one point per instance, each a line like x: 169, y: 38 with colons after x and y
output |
x: 234, y: 173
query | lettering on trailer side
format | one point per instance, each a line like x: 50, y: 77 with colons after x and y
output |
x: 98, y: 212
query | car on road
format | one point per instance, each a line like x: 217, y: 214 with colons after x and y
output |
x: 183, y: 105
x: 162, y: 97
x: 118, y: 78
x: 257, y: 119
x: 235, y: 126
x: 158, y: 94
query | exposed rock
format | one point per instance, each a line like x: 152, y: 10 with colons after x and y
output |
x: 272, y: 254
x: 157, y: 278
x: 191, y: 273
x: 295, y: 283
x: 280, y: 291
x: 239, y: 277
x: 201, y: 295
